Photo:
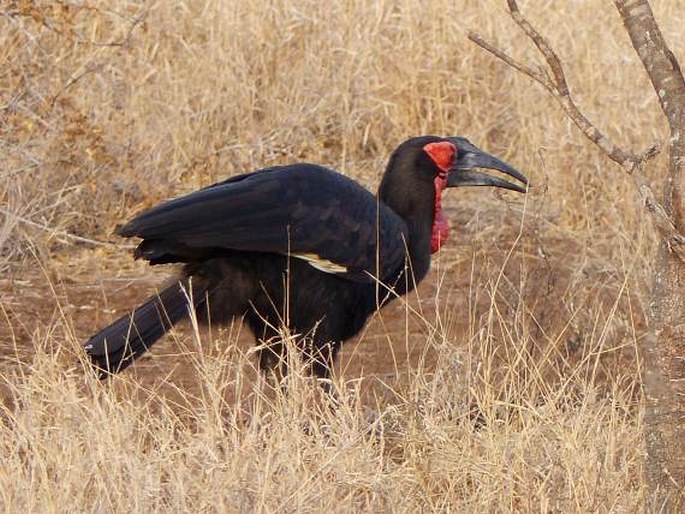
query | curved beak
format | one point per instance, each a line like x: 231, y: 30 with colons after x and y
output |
x: 470, y: 156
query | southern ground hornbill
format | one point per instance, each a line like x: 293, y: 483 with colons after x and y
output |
x: 299, y: 246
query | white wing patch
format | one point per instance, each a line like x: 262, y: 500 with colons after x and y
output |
x: 319, y: 263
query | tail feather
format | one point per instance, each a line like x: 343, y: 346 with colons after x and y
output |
x: 115, y: 347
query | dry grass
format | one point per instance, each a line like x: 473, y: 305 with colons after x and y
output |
x: 510, y: 382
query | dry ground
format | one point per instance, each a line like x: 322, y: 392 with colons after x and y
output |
x: 509, y: 382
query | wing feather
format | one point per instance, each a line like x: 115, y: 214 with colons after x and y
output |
x: 299, y: 209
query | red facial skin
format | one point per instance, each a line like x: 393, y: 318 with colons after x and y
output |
x: 443, y: 154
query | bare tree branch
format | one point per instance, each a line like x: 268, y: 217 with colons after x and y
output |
x: 557, y: 85
x: 661, y: 65
x: 537, y: 76
x: 667, y: 79
x: 663, y: 346
x: 543, y: 46
x: 555, y: 82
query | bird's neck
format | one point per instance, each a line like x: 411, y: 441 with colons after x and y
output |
x: 417, y: 202
x: 419, y: 219
x: 419, y: 245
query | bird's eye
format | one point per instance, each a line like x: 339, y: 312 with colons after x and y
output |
x: 442, y: 153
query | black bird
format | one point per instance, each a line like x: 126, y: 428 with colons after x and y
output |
x: 300, y: 246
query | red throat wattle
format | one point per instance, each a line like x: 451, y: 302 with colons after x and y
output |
x: 443, y: 154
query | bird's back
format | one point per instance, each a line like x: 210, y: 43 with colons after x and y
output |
x: 303, y: 210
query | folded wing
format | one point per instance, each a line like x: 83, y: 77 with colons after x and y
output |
x: 303, y: 210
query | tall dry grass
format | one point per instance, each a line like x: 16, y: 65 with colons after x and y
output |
x: 509, y: 382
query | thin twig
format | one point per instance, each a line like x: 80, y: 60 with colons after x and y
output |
x: 558, y: 88
x: 543, y: 46
x: 62, y: 233
x: 500, y: 54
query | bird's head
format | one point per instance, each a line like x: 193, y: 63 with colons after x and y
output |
x: 422, y: 167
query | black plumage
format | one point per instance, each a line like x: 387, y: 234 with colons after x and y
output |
x: 297, y: 245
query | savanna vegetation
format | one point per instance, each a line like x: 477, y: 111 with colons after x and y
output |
x: 510, y: 381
